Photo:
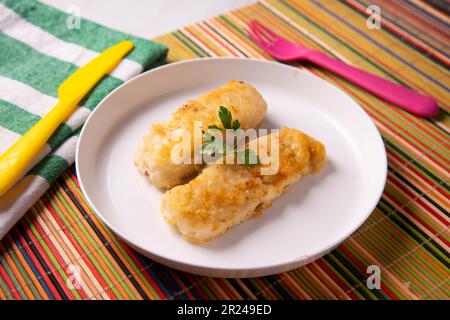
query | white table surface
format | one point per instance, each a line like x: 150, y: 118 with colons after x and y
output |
x: 148, y: 18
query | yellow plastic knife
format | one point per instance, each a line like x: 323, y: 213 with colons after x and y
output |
x: 18, y: 158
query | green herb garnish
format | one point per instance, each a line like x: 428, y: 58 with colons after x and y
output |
x: 225, y: 117
x: 213, y: 147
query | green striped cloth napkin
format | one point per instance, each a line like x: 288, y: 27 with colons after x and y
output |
x: 39, y: 49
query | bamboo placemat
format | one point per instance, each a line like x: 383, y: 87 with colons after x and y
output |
x: 61, y: 250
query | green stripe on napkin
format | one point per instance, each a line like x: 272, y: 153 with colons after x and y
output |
x: 37, y: 53
x: 91, y: 35
x: 20, y: 121
x: 50, y: 168
x: 21, y: 62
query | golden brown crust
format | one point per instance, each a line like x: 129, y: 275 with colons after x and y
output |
x: 153, y: 157
x: 224, y: 195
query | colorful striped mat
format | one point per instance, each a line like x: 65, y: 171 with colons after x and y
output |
x: 61, y: 250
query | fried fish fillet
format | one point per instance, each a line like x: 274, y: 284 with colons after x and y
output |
x: 224, y: 195
x: 153, y: 157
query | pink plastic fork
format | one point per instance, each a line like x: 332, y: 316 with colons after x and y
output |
x: 284, y: 50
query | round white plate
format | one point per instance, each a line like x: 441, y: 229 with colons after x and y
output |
x: 317, y: 213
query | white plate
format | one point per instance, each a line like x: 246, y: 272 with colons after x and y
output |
x: 317, y: 213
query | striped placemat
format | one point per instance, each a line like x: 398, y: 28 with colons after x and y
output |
x: 61, y: 250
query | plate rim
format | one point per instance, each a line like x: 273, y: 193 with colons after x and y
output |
x: 234, y: 272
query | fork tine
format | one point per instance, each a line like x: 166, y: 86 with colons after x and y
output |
x: 255, y: 39
x: 260, y: 26
x: 255, y: 35
x: 268, y: 40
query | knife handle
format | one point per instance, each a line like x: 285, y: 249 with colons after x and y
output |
x: 15, y: 161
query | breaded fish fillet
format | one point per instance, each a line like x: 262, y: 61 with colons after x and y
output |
x: 224, y: 195
x: 154, y: 155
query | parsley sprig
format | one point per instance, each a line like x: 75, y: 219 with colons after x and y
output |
x: 218, y: 147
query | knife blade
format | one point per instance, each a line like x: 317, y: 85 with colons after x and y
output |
x: 15, y: 161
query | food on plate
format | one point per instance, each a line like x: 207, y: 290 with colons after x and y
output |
x: 224, y: 195
x: 153, y: 157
